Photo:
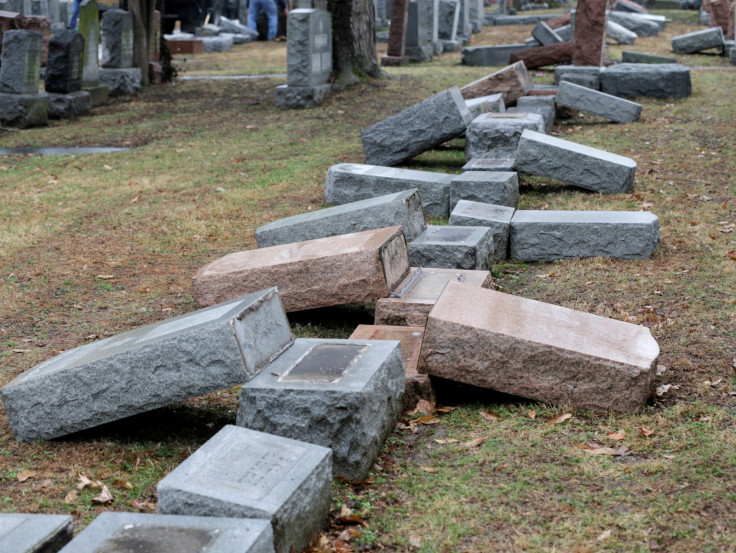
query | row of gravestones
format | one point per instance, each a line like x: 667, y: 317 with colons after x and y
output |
x: 73, y: 80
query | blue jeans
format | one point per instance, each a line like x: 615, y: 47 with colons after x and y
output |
x: 269, y: 6
x: 75, y: 15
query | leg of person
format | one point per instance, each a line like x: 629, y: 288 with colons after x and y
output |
x: 270, y: 7
x: 75, y: 15
x: 253, y: 9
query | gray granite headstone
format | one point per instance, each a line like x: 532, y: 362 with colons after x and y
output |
x: 341, y: 394
x: 490, y: 187
x: 651, y: 80
x: 147, y: 368
x: 619, y: 34
x: 597, y: 103
x: 309, y: 47
x: 697, y: 41
x: 418, y: 47
x: 89, y: 27
x: 447, y: 247
x: 493, y: 103
x: 545, y: 35
x: 490, y: 164
x: 20, y: 62
x: 497, y: 134
x: 117, y: 39
x: 562, y: 71
x: 143, y: 533
x: 635, y: 23
x: 447, y: 21
x: 26, y: 533
x: 477, y: 214
x: 627, y: 56
x: 488, y: 56
x: 242, y: 473
x: 64, y: 66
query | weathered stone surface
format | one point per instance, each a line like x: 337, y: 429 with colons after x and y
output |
x: 627, y: 56
x: 551, y: 235
x: 350, y: 182
x: 598, y: 103
x: 316, y: 273
x: 221, y: 43
x: 137, y: 532
x: 416, y: 129
x: 629, y: 6
x: 732, y: 56
x: 490, y: 187
x: 631, y: 80
x: 486, y: 56
x: 296, y: 97
x: 539, y: 351
x: 446, y: 247
x: 575, y: 164
x: 449, y: 15
x: 98, y: 94
x: 64, y: 68
x: 342, y: 394
x: 543, y: 106
x: 486, y: 104
x: 20, y: 62
x: 698, y: 41
x: 559, y: 21
x: 402, y: 209
x: 512, y: 81
x: 490, y: 164
x: 589, y: 32
x: 565, y: 71
x: 117, y: 39
x: 450, y: 45
x: 25, y: 533
x: 544, y: 55
x: 68, y: 106
x: 496, y: 135
x: 417, y: 386
x: 720, y: 14
x: 565, y: 32
x: 209, y: 30
x: 545, y: 35
x: 89, y: 28
x: 121, y: 82
x: 309, y: 47
x: 241, y: 473
x: 418, y: 46
x: 619, y: 33
x: 635, y: 23
x: 147, y: 368
x: 236, y: 27
x: 41, y: 24
x: 468, y: 213
x: 413, y: 299
x: 24, y: 111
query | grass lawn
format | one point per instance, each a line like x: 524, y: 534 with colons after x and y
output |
x: 94, y: 245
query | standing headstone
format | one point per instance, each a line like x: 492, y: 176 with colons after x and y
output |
x: 117, y: 43
x: 309, y: 59
x: 24, y: 533
x: 433, y: 14
x: 63, y: 79
x: 20, y: 62
x: 89, y: 27
x: 449, y: 13
x: 589, y: 32
x: 418, y: 48
x: 396, y: 51
x: 463, y: 26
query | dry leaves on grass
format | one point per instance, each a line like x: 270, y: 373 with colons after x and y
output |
x: 620, y: 435
x: 645, y: 432
x: 490, y: 416
x: 476, y: 442
x: 424, y: 407
x: 559, y: 419
x: 731, y: 255
x: 447, y: 441
x: 593, y: 448
x: 430, y: 470
x: 24, y: 475
x: 143, y: 506
x: 84, y: 482
x: 427, y: 419
x: 104, y: 498
x: 71, y: 497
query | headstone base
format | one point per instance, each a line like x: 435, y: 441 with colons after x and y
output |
x: 449, y: 46
x: 420, y: 54
x: 23, y: 111
x: 394, y: 61
x: 294, y: 97
x: 98, y: 95
x: 121, y: 82
x: 68, y: 106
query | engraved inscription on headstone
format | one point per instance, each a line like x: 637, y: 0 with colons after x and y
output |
x: 133, y: 538
x: 325, y: 363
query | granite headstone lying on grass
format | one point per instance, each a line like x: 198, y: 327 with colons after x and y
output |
x: 597, y: 103
x: 340, y: 394
x: 564, y: 72
x: 487, y: 56
x: 143, y: 533
x: 486, y: 104
x: 513, y: 82
x: 497, y: 134
x: 619, y: 33
x: 627, y: 56
x: 539, y: 351
x: 242, y: 473
x: 416, y: 129
x: 468, y: 213
x: 33, y: 533
x: 550, y: 235
x: 575, y: 164
x: 490, y: 164
x: 317, y: 273
x: 402, y: 209
x: 698, y: 41
x: 490, y: 187
x: 652, y: 80
x: 147, y: 368
x: 635, y: 23
x: 446, y: 247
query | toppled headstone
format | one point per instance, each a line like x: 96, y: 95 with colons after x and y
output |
x: 402, y: 209
x: 545, y: 35
x: 486, y: 104
x: 575, y: 164
x: 26, y: 533
x: 541, y: 105
x: 147, y: 368
x: 598, y: 103
x: 629, y: 6
x: 468, y: 213
x: 350, y: 182
x: 117, y: 39
x: 544, y: 55
x: 630, y: 80
x: 490, y: 187
x: 413, y: 299
x: 619, y: 33
x: 551, y: 235
x: 236, y: 27
x: 589, y: 32
x: 564, y: 72
x: 242, y: 473
x: 635, y: 23
x: 497, y: 135
x: 416, y: 129
x: 485, y: 56
x: 417, y: 386
x: 316, y: 273
x: 698, y: 41
x: 342, y: 394
x: 539, y: 351
x: 512, y: 81
x: 490, y: 164
x: 137, y: 532
x: 627, y: 56
x: 446, y: 247
x: 219, y: 43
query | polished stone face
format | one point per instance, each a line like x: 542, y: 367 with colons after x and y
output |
x: 158, y: 539
x: 325, y: 363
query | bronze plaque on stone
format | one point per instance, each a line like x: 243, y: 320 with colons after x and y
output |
x: 325, y: 363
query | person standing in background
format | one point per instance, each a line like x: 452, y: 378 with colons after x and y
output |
x: 268, y: 6
x: 284, y: 6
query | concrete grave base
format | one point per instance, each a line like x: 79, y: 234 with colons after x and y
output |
x: 450, y: 45
x: 447, y: 247
x: 24, y: 111
x: 98, y: 95
x: 420, y: 54
x: 541, y: 105
x: 124, y: 81
x: 567, y: 72
x: 68, y: 106
x: 25, y: 533
x: 477, y: 214
x: 296, y: 97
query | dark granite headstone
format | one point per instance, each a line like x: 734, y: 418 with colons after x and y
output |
x: 20, y: 62
x: 117, y: 39
x: 64, y: 69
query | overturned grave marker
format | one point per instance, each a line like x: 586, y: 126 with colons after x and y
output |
x: 446, y: 247
x: 490, y: 187
x: 513, y: 82
x: 497, y: 135
x: 25, y: 533
x: 652, y: 80
x: 698, y: 41
x: 598, y: 103
x: 478, y: 214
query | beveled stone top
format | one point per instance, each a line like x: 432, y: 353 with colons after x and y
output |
x: 427, y: 286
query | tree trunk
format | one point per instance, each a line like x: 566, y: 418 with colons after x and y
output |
x: 353, y: 41
x: 143, y: 33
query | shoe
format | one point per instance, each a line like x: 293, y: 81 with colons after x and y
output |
x: 281, y: 38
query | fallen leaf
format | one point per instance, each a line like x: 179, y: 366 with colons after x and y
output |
x: 664, y: 388
x: 21, y: 350
x: 476, y: 442
x: 620, y: 435
x: 490, y: 416
x: 71, y: 497
x: 426, y: 419
x: 445, y: 410
x: 107, y: 167
x: 604, y: 535
x: 532, y: 414
x: 104, y: 497
x: 143, y: 505
x: 447, y: 441
x: 105, y: 277
x: 646, y: 432
x: 340, y: 546
x: 84, y: 482
x: 430, y: 470
x: 731, y: 255
x: 24, y: 475
x: 345, y: 511
x: 415, y: 541
x: 123, y: 484
x: 559, y: 419
x: 593, y: 448
x: 425, y: 407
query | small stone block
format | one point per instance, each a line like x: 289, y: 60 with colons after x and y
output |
x: 413, y: 299
x: 631, y: 80
x: 539, y: 351
x: 298, y: 97
x: 242, y: 473
x: 575, y: 164
x: 317, y: 273
x: 496, y: 135
x: 402, y: 209
x: 598, y: 103
x: 98, y: 94
x: 477, y: 214
x: 545, y: 35
x: 546, y: 111
x: 619, y: 33
x: 147, y: 368
x: 490, y: 187
x: 490, y: 164
x: 137, y: 532
x: 350, y: 182
x: 552, y: 235
x: 513, y: 82
x: 68, y: 106
x: 635, y: 23
x: 416, y: 129
x: 25, y: 533
x: 698, y: 41
x: 446, y: 247
x: 342, y: 394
